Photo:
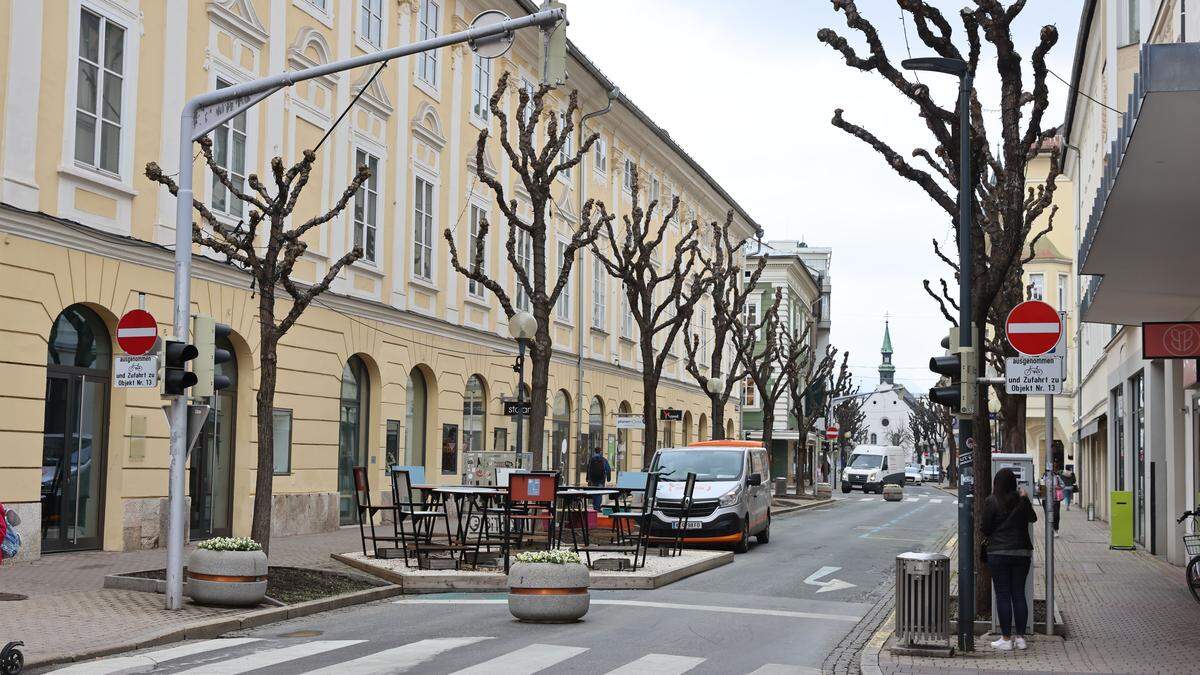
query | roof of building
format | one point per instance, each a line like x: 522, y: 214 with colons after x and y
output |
x: 1045, y: 249
x: 887, y: 339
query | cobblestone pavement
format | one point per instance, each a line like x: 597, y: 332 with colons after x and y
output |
x: 68, y: 611
x: 1124, y: 612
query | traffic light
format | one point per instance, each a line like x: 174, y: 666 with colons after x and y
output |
x: 209, y: 356
x: 959, y: 367
x: 176, y: 378
x: 554, y: 49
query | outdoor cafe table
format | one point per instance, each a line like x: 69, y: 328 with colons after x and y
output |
x: 575, y: 501
x: 466, y: 498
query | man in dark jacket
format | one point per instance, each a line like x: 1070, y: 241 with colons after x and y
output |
x: 598, y: 473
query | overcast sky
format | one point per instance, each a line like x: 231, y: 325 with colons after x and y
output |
x: 746, y: 89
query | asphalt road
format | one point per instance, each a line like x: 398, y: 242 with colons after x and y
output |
x: 781, y: 608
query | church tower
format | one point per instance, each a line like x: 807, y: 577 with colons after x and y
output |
x: 887, y: 372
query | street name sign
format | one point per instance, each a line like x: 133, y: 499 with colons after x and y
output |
x: 1033, y: 327
x: 137, y: 331
x: 1033, y: 375
x: 135, y: 372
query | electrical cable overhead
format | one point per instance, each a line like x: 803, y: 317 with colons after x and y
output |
x: 350, y: 105
x: 1081, y: 93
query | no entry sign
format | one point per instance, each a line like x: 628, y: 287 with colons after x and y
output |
x: 831, y: 434
x: 1033, y: 327
x: 137, y: 331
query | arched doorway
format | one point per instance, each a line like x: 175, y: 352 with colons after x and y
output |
x: 560, y: 432
x: 596, y: 434
x: 73, y: 436
x: 729, y: 429
x: 353, y: 426
x: 703, y: 430
x: 474, y: 432
x: 415, y: 418
x: 624, y: 439
x: 687, y: 427
x: 210, y: 481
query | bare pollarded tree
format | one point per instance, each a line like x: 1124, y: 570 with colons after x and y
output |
x: 1004, y: 211
x: 807, y: 377
x: 768, y: 358
x: 729, y: 290
x: 536, y: 169
x: 661, y: 295
x: 267, y: 245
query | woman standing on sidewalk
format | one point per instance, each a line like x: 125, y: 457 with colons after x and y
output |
x: 1007, y: 514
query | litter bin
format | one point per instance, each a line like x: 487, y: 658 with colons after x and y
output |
x: 781, y: 487
x: 923, y: 600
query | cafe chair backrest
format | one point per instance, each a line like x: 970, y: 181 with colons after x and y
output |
x: 689, y: 489
x: 416, y: 474
x: 529, y: 487
x: 402, y: 487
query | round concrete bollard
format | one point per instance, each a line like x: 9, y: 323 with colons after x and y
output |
x: 892, y: 492
x: 548, y: 592
x: 230, y: 578
x: 824, y: 490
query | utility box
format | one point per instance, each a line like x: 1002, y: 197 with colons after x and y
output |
x: 1022, y: 465
x: 1120, y: 519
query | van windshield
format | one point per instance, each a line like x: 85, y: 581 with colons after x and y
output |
x: 708, y: 465
x: 866, y: 461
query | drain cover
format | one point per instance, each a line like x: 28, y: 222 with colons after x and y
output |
x: 303, y: 634
x: 12, y: 596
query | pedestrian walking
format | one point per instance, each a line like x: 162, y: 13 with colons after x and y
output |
x: 1069, y: 482
x: 1007, y: 514
x: 1055, y: 491
x: 598, y: 473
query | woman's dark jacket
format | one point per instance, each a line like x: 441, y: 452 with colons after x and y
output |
x: 1005, y: 533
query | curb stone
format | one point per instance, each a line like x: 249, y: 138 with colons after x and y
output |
x: 214, y: 627
x: 800, y: 507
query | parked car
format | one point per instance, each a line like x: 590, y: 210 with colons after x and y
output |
x: 912, y: 474
x: 932, y: 473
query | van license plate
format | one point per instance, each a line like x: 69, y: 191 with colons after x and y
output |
x: 691, y: 524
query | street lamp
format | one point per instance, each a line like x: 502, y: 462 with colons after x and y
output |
x: 966, y: 532
x: 522, y: 326
x: 715, y: 386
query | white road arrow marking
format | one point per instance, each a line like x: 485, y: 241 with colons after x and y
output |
x: 826, y: 586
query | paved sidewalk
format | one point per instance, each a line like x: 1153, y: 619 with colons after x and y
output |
x: 1124, y: 612
x: 68, y: 611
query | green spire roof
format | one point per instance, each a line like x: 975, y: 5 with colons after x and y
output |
x: 887, y: 339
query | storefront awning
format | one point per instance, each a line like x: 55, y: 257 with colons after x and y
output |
x: 1090, y: 428
x: 1142, y: 236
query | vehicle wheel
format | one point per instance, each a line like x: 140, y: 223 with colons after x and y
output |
x: 743, y: 545
x: 1193, y: 577
x: 13, y: 663
x: 845, y: 489
x: 764, y: 537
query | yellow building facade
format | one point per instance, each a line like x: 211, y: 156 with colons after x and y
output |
x: 402, y: 362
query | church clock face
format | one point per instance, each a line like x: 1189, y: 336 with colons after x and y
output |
x: 884, y: 422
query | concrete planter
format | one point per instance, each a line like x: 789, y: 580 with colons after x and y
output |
x: 824, y: 490
x: 229, y: 578
x: 893, y: 493
x: 548, y: 592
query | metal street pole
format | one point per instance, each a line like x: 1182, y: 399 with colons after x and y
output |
x: 1048, y: 504
x: 966, y: 427
x: 520, y: 400
x: 201, y: 115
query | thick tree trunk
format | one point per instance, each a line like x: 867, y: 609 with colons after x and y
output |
x: 768, y: 424
x: 539, y: 383
x: 649, y: 405
x: 260, y: 526
x: 718, y: 417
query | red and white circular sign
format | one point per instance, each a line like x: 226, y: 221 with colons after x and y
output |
x: 137, y: 331
x: 831, y: 433
x: 1033, y: 327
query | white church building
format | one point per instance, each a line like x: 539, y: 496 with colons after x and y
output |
x: 889, y: 406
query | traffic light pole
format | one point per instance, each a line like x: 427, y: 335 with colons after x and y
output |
x: 966, y: 427
x: 201, y: 115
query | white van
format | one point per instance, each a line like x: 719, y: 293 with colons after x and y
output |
x: 873, y: 466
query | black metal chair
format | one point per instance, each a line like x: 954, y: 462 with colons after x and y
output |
x: 685, y: 513
x: 366, y: 517
x: 422, y: 516
x: 637, y: 544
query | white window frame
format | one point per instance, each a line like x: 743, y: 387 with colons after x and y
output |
x: 627, y: 175
x: 599, y: 294
x: 1037, y: 286
x: 626, y: 317
x: 318, y: 9
x: 475, y: 214
x: 426, y: 250
x: 562, y: 307
x: 369, y: 10
x: 568, y: 147
x: 524, y: 255
x: 481, y: 90
x: 749, y: 393
x: 427, y: 64
x: 229, y: 131
x: 655, y: 191
x: 703, y: 333
x: 125, y: 121
x: 752, y: 311
x: 1129, y: 28
x: 368, y: 191
x: 600, y: 157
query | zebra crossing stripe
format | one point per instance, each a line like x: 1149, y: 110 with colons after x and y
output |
x: 911, y: 499
x: 270, y: 657
x: 658, y: 664
x: 783, y: 669
x: 867, y: 499
x: 398, y: 660
x: 152, y: 659
x: 935, y: 501
x: 524, y: 661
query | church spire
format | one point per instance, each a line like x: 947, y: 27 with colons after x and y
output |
x: 887, y: 372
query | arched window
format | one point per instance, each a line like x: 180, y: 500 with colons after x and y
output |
x: 353, y: 428
x: 414, y: 423
x: 874, y: 439
x: 560, y: 433
x: 73, y: 449
x: 596, y: 430
x: 703, y: 432
x: 687, y: 427
x: 624, y: 440
x: 474, y: 415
